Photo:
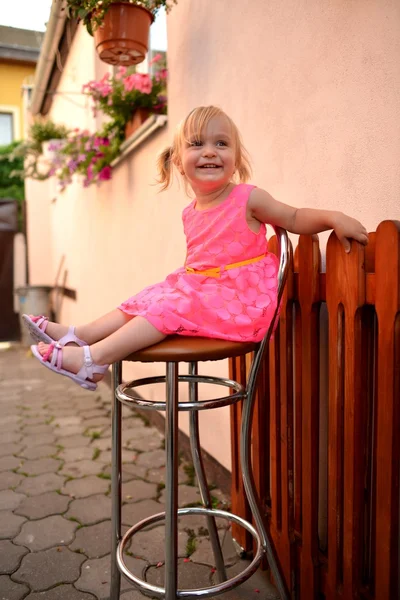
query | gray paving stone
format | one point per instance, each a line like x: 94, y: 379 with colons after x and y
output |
x: 127, y: 456
x: 46, y: 533
x: 132, y: 595
x: 37, y: 429
x: 10, y: 590
x: 136, y: 490
x: 9, y: 449
x: 100, y: 422
x: 38, y: 452
x: 81, y: 468
x: 42, y: 570
x: 187, y: 494
x: 9, y: 462
x: 130, y: 471
x: 61, y: 592
x: 39, y: 440
x: 38, y: 507
x: 10, y: 524
x: 40, y: 466
x: 92, y: 413
x: 190, y: 575
x: 145, y: 444
x: 9, y: 479
x: 11, y: 437
x: 151, y: 460
x: 11, y: 557
x: 10, y: 499
x: 96, y: 575
x: 90, y: 510
x: 150, y: 545
x: 93, y: 541
x: 75, y: 441
x: 36, y: 419
x: 137, y: 511
x: 70, y: 455
x: 62, y: 432
x: 11, y: 419
x: 48, y: 482
x: 67, y: 421
x: 102, y: 443
x: 204, y: 554
x: 136, y: 470
x: 87, y: 486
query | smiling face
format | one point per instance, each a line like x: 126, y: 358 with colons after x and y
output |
x: 208, y: 156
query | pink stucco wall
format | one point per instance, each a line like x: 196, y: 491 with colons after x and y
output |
x: 315, y: 90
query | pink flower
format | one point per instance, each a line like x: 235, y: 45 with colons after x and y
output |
x: 105, y: 173
x: 121, y: 73
x: 155, y: 59
x: 161, y: 75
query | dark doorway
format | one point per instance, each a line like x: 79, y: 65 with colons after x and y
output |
x: 9, y: 323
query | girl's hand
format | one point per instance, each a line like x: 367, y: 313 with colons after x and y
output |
x: 347, y: 228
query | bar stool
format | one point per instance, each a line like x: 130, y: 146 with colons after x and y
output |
x: 172, y: 351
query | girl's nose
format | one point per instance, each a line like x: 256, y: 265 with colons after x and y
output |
x: 208, y: 150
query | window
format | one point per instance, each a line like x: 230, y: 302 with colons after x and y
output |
x: 6, y: 128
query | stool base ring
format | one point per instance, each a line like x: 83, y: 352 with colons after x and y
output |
x: 217, y: 589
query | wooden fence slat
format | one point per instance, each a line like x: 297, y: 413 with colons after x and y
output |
x: 387, y: 268
x: 308, y: 266
x: 345, y: 289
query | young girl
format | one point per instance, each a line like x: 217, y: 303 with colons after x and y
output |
x: 228, y: 286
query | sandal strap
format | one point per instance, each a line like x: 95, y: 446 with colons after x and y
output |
x: 71, y: 337
x: 89, y: 367
x: 46, y: 355
x: 41, y: 321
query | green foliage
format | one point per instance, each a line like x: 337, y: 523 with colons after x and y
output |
x: 44, y: 130
x: 11, y: 182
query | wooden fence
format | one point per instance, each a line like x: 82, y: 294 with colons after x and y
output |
x: 326, y: 435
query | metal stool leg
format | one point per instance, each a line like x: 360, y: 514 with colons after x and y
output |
x: 171, y: 482
x: 201, y: 476
x: 115, y: 482
x: 248, y: 480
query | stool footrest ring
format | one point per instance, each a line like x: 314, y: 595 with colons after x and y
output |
x: 214, y: 590
x: 125, y: 393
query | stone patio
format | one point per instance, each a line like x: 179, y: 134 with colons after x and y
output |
x: 55, y: 508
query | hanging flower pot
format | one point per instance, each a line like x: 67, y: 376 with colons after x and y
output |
x: 123, y: 36
x: 139, y: 116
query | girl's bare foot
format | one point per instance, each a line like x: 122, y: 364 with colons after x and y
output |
x: 72, y: 359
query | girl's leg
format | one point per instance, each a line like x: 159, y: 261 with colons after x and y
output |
x: 94, y: 331
x: 134, y: 335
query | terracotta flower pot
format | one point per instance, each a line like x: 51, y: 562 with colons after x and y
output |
x: 138, y: 118
x: 123, y: 37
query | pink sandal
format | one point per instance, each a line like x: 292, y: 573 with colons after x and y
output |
x: 37, y: 328
x: 84, y: 375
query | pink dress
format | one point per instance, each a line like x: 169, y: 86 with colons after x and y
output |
x: 239, y: 305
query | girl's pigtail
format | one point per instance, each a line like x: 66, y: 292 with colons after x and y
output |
x: 164, y: 167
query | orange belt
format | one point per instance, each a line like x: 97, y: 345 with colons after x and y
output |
x: 216, y: 271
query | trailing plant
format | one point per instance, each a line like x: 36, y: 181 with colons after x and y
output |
x: 92, y: 12
x: 87, y: 154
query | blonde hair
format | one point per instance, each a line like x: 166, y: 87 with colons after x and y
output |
x: 192, y: 127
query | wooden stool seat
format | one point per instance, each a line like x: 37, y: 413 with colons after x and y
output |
x: 178, y: 348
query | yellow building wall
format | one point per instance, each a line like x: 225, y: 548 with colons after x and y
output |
x: 12, y: 77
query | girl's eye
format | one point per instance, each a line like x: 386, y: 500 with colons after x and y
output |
x: 195, y: 143
x: 221, y: 143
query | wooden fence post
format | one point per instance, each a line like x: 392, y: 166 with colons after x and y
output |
x: 387, y: 274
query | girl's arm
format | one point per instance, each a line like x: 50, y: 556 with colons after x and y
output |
x: 264, y: 208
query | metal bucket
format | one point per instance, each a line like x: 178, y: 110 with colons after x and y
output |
x: 33, y: 300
